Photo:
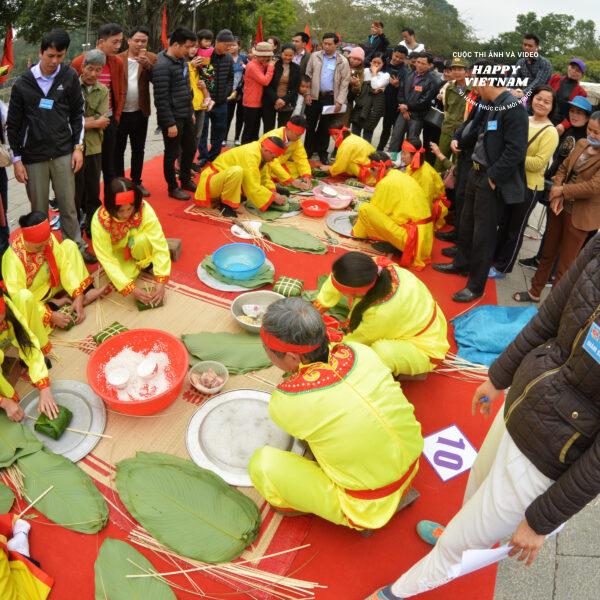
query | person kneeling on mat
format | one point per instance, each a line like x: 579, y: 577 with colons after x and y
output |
x: 391, y: 310
x: 237, y: 172
x: 343, y: 401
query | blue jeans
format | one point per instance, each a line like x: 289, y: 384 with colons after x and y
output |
x: 217, y: 118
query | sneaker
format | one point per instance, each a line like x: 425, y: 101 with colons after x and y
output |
x: 224, y: 143
x: 55, y: 222
x: 237, y: 143
x: 493, y: 274
x: 178, y: 194
x: 53, y: 203
x: 429, y: 531
x: 530, y: 263
x: 384, y: 593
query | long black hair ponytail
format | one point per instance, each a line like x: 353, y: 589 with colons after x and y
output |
x: 21, y: 334
x: 356, y: 269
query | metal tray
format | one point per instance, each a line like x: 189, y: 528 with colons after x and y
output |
x: 89, y: 414
x: 213, y: 435
x: 340, y: 222
x: 215, y: 284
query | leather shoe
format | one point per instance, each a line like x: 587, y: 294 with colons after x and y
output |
x: 324, y: 159
x: 188, y: 186
x: 144, y: 191
x: 178, y: 194
x: 446, y: 236
x: 449, y: 268
x: 465, y: 295
x: 450, y: 252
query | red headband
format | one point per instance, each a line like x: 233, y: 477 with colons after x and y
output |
x: 124, y: 198
x: 416, y: 161
x: 382, y: 167
x: 272, y: 147
x: 36, y: 234
x: 350, y: 290
x: 295, y: 128
x: 339, y: 133
x: 274, y: 343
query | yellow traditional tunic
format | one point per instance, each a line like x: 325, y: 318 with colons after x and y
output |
x: 242, y: 167
x: 20, y: 579
x: 353, y: 159
x: 362, y: 432
x: 124, y: 248
x: 29, y: 271
x: 33, y: 358
x: 433, y: 186
x: 407, y: 328
x: 292, y: 164
x: 398, y: 213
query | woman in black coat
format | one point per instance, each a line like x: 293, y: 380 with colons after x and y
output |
x: 280, y: 95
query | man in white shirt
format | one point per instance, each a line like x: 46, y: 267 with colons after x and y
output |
x: 138, y: 63
x: 410, y: 42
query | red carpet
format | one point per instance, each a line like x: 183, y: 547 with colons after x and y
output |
x: 349, y: 565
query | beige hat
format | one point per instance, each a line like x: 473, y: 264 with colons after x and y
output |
x: 263, y: 49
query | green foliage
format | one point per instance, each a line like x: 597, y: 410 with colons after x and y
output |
x: 278, y: 18
x: 7, y: 499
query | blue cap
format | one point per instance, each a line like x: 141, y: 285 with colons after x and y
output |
x: 582, y: 103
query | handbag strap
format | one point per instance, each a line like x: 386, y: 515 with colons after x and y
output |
x: 538, y: 133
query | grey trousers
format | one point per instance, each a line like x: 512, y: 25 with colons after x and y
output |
x: 412, y: 128
x: 59, y: 172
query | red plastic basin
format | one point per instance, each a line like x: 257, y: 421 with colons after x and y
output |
x: 314, y: 208
x: 139, y: 340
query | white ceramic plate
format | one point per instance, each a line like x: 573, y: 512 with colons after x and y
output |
x: 89, y: 414
x: 215, y: 284
x: 226, y: 430
x: 340, y: 222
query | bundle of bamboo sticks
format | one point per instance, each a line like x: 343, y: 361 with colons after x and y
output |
x: 459, y: 368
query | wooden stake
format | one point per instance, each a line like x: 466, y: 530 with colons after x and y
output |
x: 32, y: 503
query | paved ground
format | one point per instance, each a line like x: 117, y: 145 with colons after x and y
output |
x: 569, y: 565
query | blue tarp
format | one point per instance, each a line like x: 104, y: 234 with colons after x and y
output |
x: 484, y: 332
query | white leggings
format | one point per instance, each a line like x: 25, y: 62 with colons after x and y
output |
x: 502, y: 484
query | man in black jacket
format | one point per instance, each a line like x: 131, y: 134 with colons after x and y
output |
x: 223, y: 65
x: 45, y: 132
x: 396, y: 67
x: 414, y: 100
x: 497, y: 177
x: 174, y: 111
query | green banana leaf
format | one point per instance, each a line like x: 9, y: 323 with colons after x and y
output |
x: 7, y: 499
x: 112, y: 567
x: 74, y: 502
x: 293, y: 238
x: 239, y: 352
x: 54, y: 428
x: 15, y: 441
x: 189, y: 509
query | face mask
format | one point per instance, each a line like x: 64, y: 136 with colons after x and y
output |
x: 593, y: 142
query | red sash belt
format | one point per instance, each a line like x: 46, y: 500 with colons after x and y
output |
x: 412, y: 241
x: 436, y: 209
x: 386, y: 490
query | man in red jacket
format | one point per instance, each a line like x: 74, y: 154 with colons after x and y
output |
x: 110, y: 39
x: 566, y: 88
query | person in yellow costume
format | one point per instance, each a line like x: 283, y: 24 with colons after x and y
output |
x: 42, y: 272
x: 128, y: 238
x: 428, y: 178
x: 399, y: 214
x: 15, y: 330
x: 391, y: 310
x: 20, y: 577
x: 292, y: 167
x: 343, y: 401
x: 238, y: 172
x: 354, y: 157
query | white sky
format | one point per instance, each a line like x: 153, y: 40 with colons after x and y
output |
x: 488, y: 18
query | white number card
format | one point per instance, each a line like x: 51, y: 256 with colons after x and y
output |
x: 449, y: 452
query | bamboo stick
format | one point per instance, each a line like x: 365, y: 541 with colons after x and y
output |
x: 34, y: 501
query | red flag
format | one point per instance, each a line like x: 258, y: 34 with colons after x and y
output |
x: 339, y: 37
x: 8, y: 58
x: 259, y: 33
x: 307, y: 32
x: 164, y: 37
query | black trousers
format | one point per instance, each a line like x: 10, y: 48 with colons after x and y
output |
x: 481, y: 213
x: 463, y: 168
x: 109, y: 146
x: 133, y: 126
x: 4, y: 229
x: 511, y: 231
x: 87, y: 189
x: 389, y: 118
x: 235, y: 108
x: 182, y: 147
x: 270, y: 117
x: 252, y: 118
x: 317, y: 129
x: 430, y: 134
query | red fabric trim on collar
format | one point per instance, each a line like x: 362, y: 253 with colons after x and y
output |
x: 274, y: 343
